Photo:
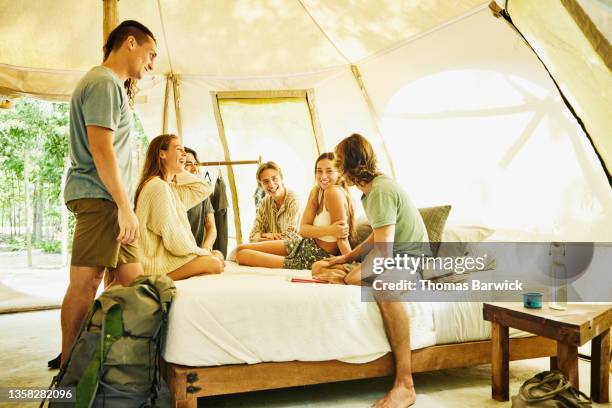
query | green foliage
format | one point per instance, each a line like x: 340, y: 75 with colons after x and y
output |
x: 139, y: 133
x: 49, y: 247
x: 18, y: 243
x: 15, y: 243
x: 40, y: 130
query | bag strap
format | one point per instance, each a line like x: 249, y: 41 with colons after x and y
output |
x: 529, y: 385
x: 112, y: 329
x: 55, y: 381
x: 165, y: 289
x: 156, y: 385
x: 576, y: 401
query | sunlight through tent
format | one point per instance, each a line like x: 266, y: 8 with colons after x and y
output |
x: 281, y: 130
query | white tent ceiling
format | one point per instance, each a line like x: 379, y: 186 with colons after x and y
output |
x: 222, y: 38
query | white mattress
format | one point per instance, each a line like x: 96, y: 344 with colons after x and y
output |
x: 251, y: 315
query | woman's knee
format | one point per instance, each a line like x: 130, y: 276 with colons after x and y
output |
x: 212, y: 265
x: 218, y: 266
x: 218, y: 254
x: 241, y: 256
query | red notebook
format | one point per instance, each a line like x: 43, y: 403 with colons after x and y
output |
x: 300, y: 280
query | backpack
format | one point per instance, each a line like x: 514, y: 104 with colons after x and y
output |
x: 549, y: 389
x: 114, y: 360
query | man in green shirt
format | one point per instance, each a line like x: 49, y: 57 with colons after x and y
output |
x: 385, y: 203
x: 398, y: 228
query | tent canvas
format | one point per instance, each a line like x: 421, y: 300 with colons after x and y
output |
x: 465, y: 109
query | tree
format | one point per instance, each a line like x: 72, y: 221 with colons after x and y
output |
x: 39, y: 129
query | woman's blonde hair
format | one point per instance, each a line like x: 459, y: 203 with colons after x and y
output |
x: 342, y: 183
x: 356, y: 160
x: 265, y: 166
x: 153, y: 166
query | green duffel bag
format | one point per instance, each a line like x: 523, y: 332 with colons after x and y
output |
x: 549, y: 389
x: 114, y: 361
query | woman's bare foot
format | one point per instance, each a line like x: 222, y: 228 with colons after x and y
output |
x: 400, y: 396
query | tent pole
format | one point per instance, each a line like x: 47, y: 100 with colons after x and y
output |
x: 314, y: 121
x: 373, y: 115
x: 230, y: 169
x: 64, y: 214
x: 110, y: 17
x: 26, y: 182
x: 110, y: 20
x: 505, y: 14
x: 166, y: 102
x: 176, y: 92
x: 597, y: 40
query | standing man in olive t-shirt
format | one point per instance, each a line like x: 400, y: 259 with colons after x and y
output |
x: 99, y: 186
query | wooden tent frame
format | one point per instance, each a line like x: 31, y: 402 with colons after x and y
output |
x: 217, y: 96
x: 228, y: 163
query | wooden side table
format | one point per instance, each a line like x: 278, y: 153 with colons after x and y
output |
x: 571, y: 328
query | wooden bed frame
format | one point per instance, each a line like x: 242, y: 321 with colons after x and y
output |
x: 188, y: 383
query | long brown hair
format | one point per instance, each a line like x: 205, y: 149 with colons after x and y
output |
x: 153, y: 166
x: 117, y: 37
x: 342, y: 183
x: 356, y: 160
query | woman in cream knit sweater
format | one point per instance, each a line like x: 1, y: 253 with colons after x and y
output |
x: 164, y: 194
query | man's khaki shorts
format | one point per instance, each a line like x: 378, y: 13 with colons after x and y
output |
x: 95, y: 235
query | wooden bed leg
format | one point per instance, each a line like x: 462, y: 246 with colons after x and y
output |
x: 600, y: 367
x: 554, y: 363
x: 177, y: 381
x: 185, y: 403
x: 500, y: 362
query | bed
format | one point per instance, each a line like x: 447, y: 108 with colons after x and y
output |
x: 252, y: 329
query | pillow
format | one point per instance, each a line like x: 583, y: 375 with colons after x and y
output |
x: 459, y: 241
x: 435, y: 270
x: 456, y: 239
x: 434, y: 219
x: 466, y: 233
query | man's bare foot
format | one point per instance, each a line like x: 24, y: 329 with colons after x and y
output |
x: 400, y: 396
